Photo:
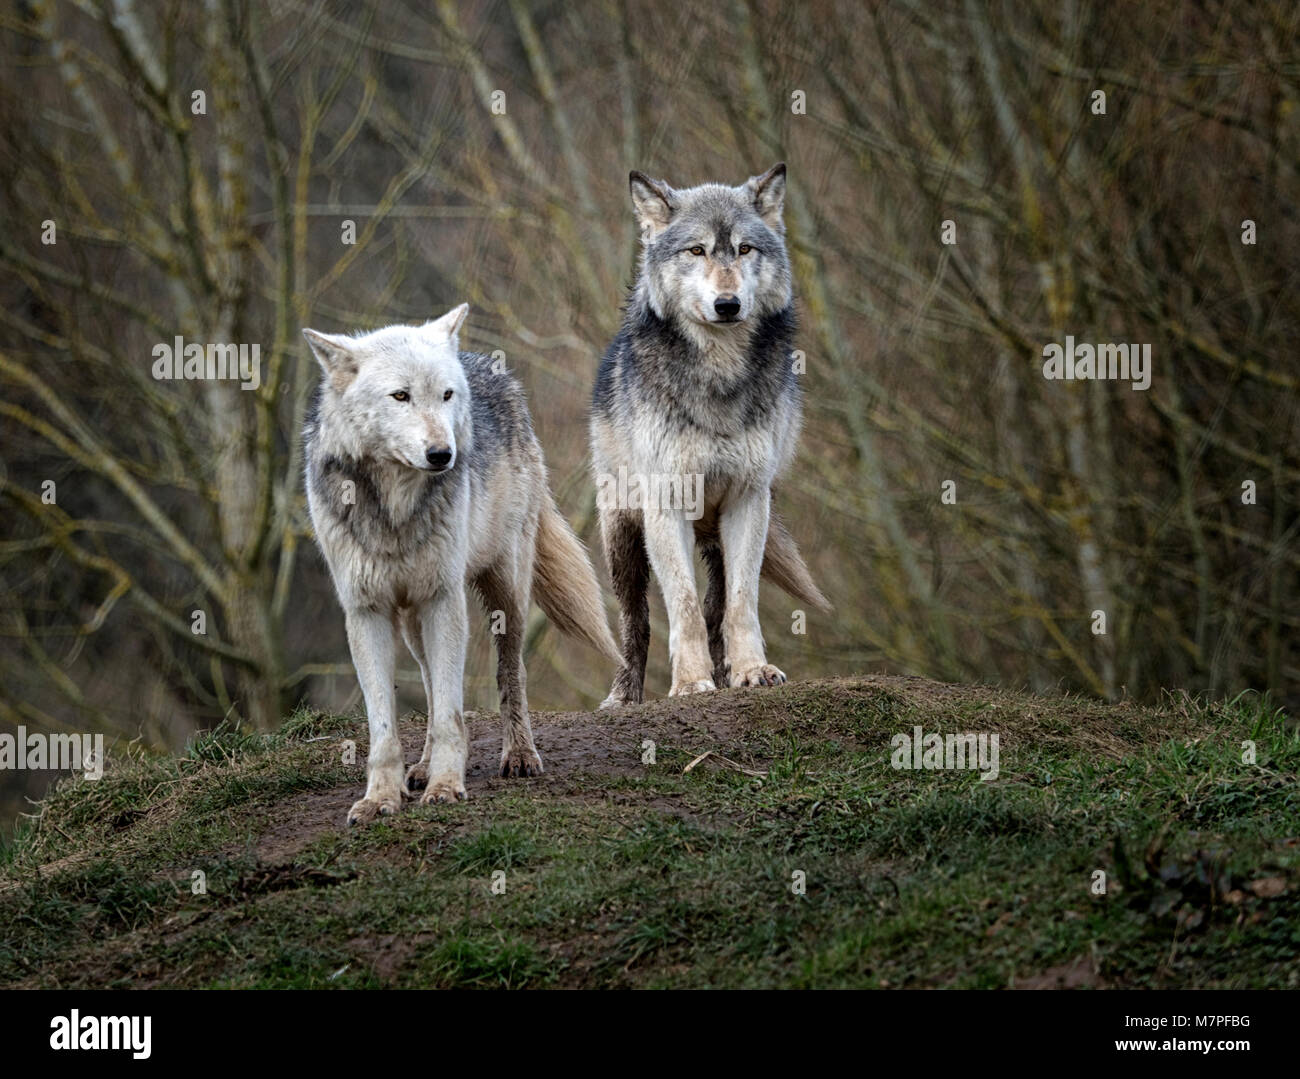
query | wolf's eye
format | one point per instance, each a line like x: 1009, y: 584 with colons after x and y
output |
x: 745, y: 249
x: 400, y: 395
x: 697, y: 250
x: 447, y: 396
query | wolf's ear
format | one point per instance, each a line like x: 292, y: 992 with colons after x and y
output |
x: 336, y: 357
x: 654, y: 201
x: 448, y: 325
x: 768, y: 195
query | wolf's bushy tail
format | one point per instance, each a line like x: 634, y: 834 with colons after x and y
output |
x: 564, y: 584
x: 783, y: 565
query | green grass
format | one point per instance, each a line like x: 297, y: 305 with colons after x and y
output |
x: 645, y: 876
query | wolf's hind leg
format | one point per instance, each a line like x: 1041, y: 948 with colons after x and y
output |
x: 505, y: 592
x: 715, y: 602
x: 373, y: 646
x: 629, y: 571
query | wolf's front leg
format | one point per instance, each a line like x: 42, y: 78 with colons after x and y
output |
x: 371, y: 640
x: 670, y: 543
x: 743, y: 529
x: 444, y: 627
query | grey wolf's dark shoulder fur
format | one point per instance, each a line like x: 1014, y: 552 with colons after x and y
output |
x: 649, y: 362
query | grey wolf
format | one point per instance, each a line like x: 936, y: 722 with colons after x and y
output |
x: 423, y: 475
x: 699, y: 382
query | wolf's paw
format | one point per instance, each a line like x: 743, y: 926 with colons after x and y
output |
x: 366, y: 810
x: 762, y: 675
x: 681, y: 689
x: 417, y: 777
x: 520, y: 762
x: 445, y: 788
x: 625, y: 690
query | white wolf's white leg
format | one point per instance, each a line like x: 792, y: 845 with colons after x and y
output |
x: 670, y: 544
x: 444, y: 625
x: 371, y: 640
x: 743, y: 530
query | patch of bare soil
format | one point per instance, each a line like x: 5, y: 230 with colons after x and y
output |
x: 593, y: 743
x: 297, y: 823
x: 1076, y: 974
x: 385, y: 955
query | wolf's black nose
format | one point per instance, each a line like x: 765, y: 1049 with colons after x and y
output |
x: 438, y: 457
x: 727, y: 306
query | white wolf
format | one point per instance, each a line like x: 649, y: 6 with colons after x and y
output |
x: 699, y: 385
x: 423, y: 474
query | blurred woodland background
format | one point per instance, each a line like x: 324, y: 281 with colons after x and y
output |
x: 227, y: 223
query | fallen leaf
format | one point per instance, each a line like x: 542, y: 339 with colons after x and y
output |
x: 706, y: 753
